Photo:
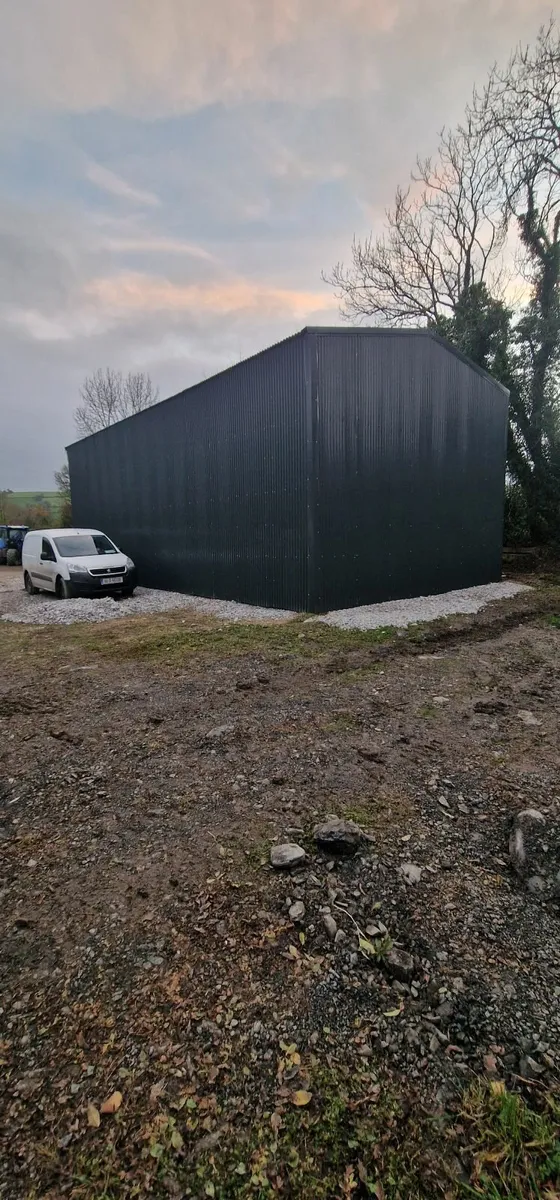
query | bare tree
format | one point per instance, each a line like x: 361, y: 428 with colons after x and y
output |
x: 108, y: 397
x: 444, y: 235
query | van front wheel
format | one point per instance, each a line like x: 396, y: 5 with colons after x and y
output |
x: 63, y: 589
x: 29, y: 587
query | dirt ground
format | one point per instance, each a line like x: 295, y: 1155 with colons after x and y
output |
x: 148, y: 953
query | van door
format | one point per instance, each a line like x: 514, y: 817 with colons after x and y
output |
x: 46, y: 569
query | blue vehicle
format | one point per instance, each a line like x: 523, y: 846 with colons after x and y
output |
x: 11, y: 543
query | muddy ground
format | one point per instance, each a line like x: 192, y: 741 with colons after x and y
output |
x: 147, y: 949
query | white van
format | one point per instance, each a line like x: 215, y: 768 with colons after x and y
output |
x: 75, y: 562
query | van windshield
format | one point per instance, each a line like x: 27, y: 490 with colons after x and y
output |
x: 79, y: 545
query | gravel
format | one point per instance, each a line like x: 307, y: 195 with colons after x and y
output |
x: 46, y: 610
x: 421, y: 608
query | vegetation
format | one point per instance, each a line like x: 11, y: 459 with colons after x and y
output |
x: 445, y: 261
x: 62, y: 480
x: 108, y: 396
x: 37, y: 510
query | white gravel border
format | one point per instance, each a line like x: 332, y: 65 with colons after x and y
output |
x: 47, y: 610
x: 421, y: 608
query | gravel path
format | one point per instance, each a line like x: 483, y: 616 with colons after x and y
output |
x: 421, y: 608
x: 46, y: 610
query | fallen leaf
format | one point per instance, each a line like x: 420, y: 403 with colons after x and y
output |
x: 112, y: 1104
x: 93, y: 1117
x: 366, y: 947
x: 393, y: 1012
x: 497, y: 1087
x: 176, y: 1140
x: 276, y: 1122
x: 156, y: 1091
x: 301, y: 1098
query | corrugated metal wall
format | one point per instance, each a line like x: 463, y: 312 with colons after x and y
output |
x: 409, y: 467
x: 340, y: 467
x: 207, y: 491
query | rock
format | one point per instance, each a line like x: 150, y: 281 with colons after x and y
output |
x: 536, y: 884
x: 440, y: 699
x: 297, y: 911
x: 330, y: 926
x: 528, y: 718
x: 411, y: 872
x: 337, y: 836
x: 23, y: 922
x: 340, y: 937
x: 443, y: 801
x: 523, y: 842
x: 399, y: 965
x: 371, y: 754
x: 219, y: 733
x: 493, y: 707
x: 529, y: 1068
x: 286, y: 856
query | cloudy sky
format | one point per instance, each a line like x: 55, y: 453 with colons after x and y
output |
x: 174, y: 174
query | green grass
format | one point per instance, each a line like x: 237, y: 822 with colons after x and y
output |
x: 515, y: 1149
x: 172, y: 639
x: 28, y: 499
x: 355, y: 1138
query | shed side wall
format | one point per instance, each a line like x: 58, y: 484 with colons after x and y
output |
x: 208, y: 491
x: 410, y: 463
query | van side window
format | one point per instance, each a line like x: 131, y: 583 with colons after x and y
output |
x: 48, y: 551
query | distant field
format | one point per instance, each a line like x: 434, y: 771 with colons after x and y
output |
x: 23, y: 499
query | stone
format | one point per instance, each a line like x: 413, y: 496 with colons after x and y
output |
x: 219, y: 733
x: 330, y: 926
x: 524, y: 838
x: 399, y: 965
x: 337, y: 836
x: 411, y: 872
x: 340, y: 937
x: 297, y: 911
x: 286, y: 856
x: 528, y: 718
x: 371, y: 753
x: 536, y: 884
x: 529, y: 1068
x: 493, y: 707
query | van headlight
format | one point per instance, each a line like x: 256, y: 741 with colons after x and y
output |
x: 129, y: 564
x: 78, y: 568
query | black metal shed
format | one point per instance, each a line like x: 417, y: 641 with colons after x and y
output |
x: 339, y: 467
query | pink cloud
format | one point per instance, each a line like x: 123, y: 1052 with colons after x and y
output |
x: 132, y: 292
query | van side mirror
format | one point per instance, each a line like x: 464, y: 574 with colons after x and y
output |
x: 44, y: 557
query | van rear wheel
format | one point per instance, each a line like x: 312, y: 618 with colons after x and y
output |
x: 63, y: 589
x: 28, y: 585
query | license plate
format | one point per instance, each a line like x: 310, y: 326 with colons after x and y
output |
x: 113, y: 579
